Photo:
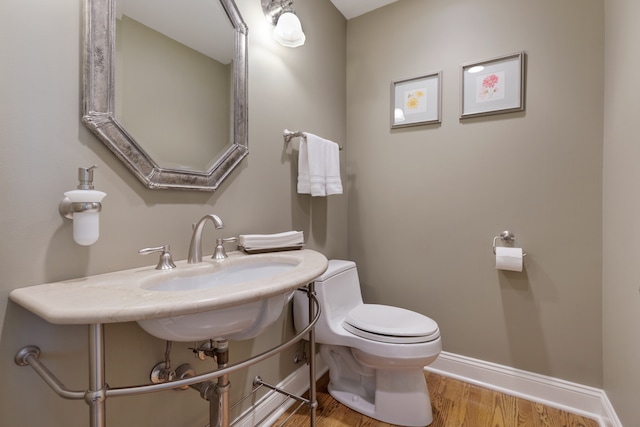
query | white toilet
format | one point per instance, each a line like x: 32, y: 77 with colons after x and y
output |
x: 375, y: 353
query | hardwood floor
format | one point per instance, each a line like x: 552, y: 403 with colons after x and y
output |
x: 455, y: 404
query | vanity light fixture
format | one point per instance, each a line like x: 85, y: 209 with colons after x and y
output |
x: 83, y: 206
x: 288, y: 31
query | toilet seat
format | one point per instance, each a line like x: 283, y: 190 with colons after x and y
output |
x: 390, y: 324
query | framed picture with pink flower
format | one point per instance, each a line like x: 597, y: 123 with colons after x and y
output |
x: 493, y: 86
x: 416, y: 101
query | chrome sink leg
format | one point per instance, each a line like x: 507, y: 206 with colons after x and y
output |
x: 313, y: 402
x: 219, y: 403
x: 96, y: 396
x: 97, y: 393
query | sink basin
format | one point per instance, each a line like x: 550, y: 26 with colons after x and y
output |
x: 237, y: 322
x: 225, y: 276
x: 236, y: 298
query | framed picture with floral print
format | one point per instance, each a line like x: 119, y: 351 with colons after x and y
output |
x: 493, y: 86
x: 416, y: 101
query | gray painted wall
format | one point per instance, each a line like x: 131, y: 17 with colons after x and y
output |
x: 621, y: 210
x: 43, y: 143
x: 425, y: 202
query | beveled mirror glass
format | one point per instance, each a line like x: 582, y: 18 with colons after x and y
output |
x: 186, y: 130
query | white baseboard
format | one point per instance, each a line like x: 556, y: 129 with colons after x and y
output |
x: 270, y: 407
x: 579, y: 399
x: 576, y: 398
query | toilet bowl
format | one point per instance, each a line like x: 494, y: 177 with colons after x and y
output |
x: 375, y: 353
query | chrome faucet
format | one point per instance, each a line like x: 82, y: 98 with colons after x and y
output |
x: 195, y: 247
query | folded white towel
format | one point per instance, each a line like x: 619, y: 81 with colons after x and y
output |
x: 270, y: 241
x: 318, y: 166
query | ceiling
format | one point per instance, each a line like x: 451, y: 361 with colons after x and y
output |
x: 352, y: 8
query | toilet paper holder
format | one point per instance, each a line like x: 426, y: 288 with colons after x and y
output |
x: 507, y: 237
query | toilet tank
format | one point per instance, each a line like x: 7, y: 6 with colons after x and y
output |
x: 338, y: 291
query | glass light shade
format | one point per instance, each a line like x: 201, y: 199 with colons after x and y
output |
x: 288, y: 31
x: 86, y: 225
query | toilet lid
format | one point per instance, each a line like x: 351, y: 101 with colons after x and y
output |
x: 390, y: 324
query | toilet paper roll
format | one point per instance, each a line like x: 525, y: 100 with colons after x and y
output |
x: 509, y: 259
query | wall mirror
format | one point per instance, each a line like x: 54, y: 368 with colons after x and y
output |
x: 165, y: 88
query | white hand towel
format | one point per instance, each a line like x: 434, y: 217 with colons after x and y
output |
x: 304, y: 186
x: 319, y: 175
x: 317, y: 151
x: 333, y: 183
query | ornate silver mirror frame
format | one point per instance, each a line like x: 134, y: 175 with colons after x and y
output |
x: 99, y: 100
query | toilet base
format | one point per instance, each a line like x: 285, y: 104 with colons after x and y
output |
x: 406, y: 408
x: 394, y: 396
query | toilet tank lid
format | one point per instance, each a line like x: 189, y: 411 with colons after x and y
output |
x: 336, y: 266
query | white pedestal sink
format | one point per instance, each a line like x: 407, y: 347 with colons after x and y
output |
x: 236, y: 298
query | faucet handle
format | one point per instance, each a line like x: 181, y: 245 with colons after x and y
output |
x: 219, y: 253
x: 165, y: 262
